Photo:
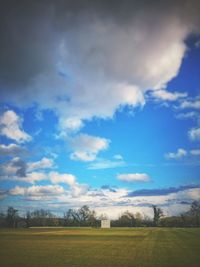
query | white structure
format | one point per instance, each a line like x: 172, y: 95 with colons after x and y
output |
x: 105, y: 223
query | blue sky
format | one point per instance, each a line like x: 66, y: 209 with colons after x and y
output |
x: 105, y: 113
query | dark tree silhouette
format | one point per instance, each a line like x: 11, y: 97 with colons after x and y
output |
x: 158, y: 213
x: 12, y: 217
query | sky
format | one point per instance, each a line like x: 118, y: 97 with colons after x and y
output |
x: 100, y: 105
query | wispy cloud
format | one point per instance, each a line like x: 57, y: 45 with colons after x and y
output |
x: 186, y: 104
x: 188, y: 115
x: 165, y: 95
x: 106, y: 164
x: 133, y: 177
x: 181, y: 153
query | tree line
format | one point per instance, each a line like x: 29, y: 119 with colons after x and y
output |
x: 86, y: 217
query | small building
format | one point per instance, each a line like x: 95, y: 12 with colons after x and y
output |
x: 105, y: 223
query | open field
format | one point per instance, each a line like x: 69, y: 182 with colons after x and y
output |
x: 48, y: 247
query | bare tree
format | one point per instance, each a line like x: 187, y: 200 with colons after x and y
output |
x: 158, y: 213
x: 12, y: 217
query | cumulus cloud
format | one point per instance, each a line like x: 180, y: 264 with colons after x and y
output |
x: 194, y: 134
x: 11, y: 150
x: 190, y: 156
x: 168, y: 96
x: 18, y: 169
x: 133, y: 177
x: 86, y: 147
x: 91, y: 57
x: 11, y: 127
x: 38, y: 191
x: 32, y: 177
x: 69, y: 125
x: 14, y: 167
x: 76, y: 189
x: 44, y: 163
x: 56, y: 178
x: 176, y: 155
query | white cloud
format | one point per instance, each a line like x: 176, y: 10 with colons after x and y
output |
x: 168, y: 96
x: 11, y: 150
x: 76, y: 189
x: 193, y: 194
x: 18, y: 169
x: 46, y: 190
x: 15, y: 166
x: 71, y: 124
x: 194, y: 134
x: 103, y: 200
x: 86, y: 147
x: 113, y: 202
x: 195, y: 152
x: 16, y: 173
x: 33, y: 177
x: 44, y: 163
x: 79, y: 190
x: 188, y: 115
x: 10, y: 126
x: 190, y: 104
x: 182, y: 153
x: 56, y: 178
x: 106, y: 164
x: 176, y: 155
x: 133, y: 177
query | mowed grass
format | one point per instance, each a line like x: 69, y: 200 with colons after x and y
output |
x: 48, y: 247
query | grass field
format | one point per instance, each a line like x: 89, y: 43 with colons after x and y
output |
x: 48, y: 247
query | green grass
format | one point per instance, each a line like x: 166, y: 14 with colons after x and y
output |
x: 68, y: 247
